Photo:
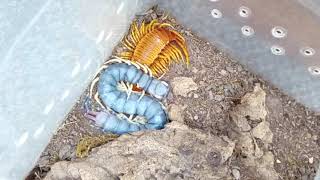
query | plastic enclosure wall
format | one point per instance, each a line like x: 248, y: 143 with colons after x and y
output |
x: 49, y: 52
x: 289, y: 71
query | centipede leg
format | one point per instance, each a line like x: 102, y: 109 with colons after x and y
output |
x: 162, y: 76
x: 96, y: 97
x: 142, y: 94
x: 129, y: 90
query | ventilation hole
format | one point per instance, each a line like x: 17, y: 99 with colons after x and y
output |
x: 307, y: 51
x: 244, y: 11
x: 216, y: 13
x: 279, y: 32
x: 277, y: 50
x: 247, y: 30
x: 314, y: 70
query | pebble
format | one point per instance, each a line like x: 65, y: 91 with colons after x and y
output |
x: 153, y: 15
x: 230, y: 69
x: 218, y: 98
x: 278, y: 161
x: 223, y: 72
x: 211, y: 95
x: 308, y: 136
x: 311, y: 160
x: 196, y: 96
x: 236, y: 174
x: 176, y: 113
x: 195, y: 70
x: 64, y: 152
x: 181, y: 86
x: 315, y: 137
x: 208, y: 88
x: 195, y: 117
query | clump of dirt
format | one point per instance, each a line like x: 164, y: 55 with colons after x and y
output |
x: 282, y: 139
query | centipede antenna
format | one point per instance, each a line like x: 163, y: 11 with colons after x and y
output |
x: 92, y: 86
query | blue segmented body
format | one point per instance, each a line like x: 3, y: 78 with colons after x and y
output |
x: 134, y: 104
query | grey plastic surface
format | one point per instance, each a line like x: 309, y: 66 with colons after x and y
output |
x: 49, y: 52
x: 289, y: 73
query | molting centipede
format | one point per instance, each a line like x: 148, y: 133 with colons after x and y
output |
x: 149, y: 113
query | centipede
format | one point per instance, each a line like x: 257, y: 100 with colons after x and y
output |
x: 128, y: 87
x: 145, y: 112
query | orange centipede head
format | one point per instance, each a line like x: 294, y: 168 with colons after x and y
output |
x: 156, y: 45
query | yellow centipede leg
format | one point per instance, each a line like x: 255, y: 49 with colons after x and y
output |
x: 177, y: 51
x: 142, y: 29
x: 178, y: 35
x: 185, y: 52
x: 166, y: 25
x: 136, y: 30
x: 128, y: 45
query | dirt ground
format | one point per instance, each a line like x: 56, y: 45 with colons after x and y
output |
x: 221, y: 83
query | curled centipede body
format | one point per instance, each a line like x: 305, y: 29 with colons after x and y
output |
x: 113, y: 95
x: 156, y: 45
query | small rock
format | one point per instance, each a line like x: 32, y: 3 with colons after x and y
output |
x: 278, y: 161
x: 265, y: 167
x: 210, y: 87
x: 195, y: 70
x: 218, y: 98
x: 315, y: 137
x: 43, y: 161
x: 257, y: 152
x: 183, y: 85
x: 196, y: 96
x: 153, y: 15
x: 217, y: 108
x: 202, y: 83
x: 235, y: 174
x: 252, y: 108
x: 211, y: 95
x: 246, y: 145
x: 239, y: 68
x: 304, y: 177
x: 311, y: 160
x: 263, y: 132
x: 230, y: 69
x: 196, y: 117
x: 165, y: 154
x: 308, y: 135
x: 65, y: 152
x: 240, y: 121
x: 223, y: 72
x: 176, y: 113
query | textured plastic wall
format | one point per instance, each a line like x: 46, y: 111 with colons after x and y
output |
x: 49, y: 52
x: 289, y: 73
